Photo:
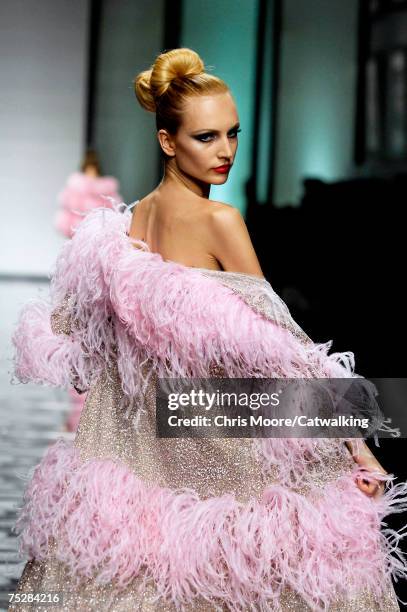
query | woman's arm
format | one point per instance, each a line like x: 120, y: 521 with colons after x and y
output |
x: 230, y: 244
x: 233, y: 248
x: 230, y: 241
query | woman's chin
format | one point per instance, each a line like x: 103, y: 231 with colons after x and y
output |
x: 222, y: 178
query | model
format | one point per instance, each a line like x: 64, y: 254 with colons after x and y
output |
x: 123, y: 520
x: 84, y: 191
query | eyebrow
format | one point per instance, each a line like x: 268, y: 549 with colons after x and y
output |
x: 237, y: 125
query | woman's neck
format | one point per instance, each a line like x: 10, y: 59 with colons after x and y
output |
x: 176, y: 183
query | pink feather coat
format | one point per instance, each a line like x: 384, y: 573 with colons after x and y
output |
x: 116, y: 306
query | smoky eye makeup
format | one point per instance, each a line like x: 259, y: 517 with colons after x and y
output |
x: 208, y: 135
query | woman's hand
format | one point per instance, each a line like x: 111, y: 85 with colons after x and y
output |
x: 369, y: 484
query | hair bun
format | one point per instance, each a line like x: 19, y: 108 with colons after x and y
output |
x: 178, y: 63
x: 151, y: 84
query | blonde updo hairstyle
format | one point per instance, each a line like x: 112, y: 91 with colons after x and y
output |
x: 174, y: 78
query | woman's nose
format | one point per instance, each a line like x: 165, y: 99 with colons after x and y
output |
x: 226, y: 149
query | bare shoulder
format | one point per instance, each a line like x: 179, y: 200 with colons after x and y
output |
x: 230, y: 240
x: 221, y: 210
x: 225, y: 218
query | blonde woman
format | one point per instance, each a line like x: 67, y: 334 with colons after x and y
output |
x: 122, y: 519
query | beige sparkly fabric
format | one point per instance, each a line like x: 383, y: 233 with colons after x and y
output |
x: 261, y: 297
x: 211, y: 467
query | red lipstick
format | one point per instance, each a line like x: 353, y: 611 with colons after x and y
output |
x: 223, y: 169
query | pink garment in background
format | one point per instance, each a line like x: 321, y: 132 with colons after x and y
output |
x: 81, y: 194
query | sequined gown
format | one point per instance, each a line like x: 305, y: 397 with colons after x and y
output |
x: 121, y: 520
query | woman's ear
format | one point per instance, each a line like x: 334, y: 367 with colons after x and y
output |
x: 166, y: 142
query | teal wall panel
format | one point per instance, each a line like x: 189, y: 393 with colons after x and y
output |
x: 224, y: 34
